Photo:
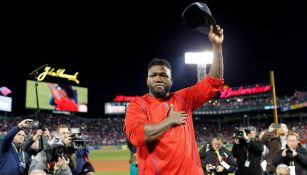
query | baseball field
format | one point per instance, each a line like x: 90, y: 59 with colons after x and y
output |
x: 110, y: 162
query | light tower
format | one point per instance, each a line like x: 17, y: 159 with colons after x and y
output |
x: 201, y: 59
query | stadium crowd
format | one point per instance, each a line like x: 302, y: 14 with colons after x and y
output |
x: 108, y: 131
x: 213, y: 130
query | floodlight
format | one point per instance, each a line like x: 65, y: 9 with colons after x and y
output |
x: 198, y: 57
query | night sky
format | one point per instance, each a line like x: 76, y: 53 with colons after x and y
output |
x: 111, y: 43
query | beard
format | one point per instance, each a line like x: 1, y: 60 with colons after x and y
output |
x: 160, y: 93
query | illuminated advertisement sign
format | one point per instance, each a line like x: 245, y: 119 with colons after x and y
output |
x: 120, y: 98
x: 5, y: 104
x: 115, y: 108
x: 228, y: 92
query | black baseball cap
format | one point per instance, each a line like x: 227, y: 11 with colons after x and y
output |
x: 197, y: 16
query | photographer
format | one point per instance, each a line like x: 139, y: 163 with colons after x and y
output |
x: 275, y: 140
x: 217, y: 159
x: 132, y: 160
x: 36, y: 143
x: 12, y: 157
x: 81, y: 153
x: 247, y: 150
x: 84, y: 166
x: 294, y: 155
x: 282, y: 169
x: 64, y: 134
x: 59, y: 153
x: 53, y: 159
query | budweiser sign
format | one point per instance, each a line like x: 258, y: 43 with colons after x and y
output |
x: 228, y: 92
x: 120, y: 98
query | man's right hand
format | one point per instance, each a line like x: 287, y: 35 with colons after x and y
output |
x: 177, y: 117
x: 155, y: 130
x: 271, y: 128
x: 39, y: 133
x: 47, y: 133
x: 24, y: 123
x: 63, y: 162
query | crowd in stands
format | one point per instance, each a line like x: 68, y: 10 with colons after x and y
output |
x: 250, y: 103
x: 109, y: 131
x: 95, y: 131
x: 238, y: 104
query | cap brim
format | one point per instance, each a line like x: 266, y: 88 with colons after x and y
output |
x: 195, y: 18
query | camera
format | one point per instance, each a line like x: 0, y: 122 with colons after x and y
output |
x: 36, y: 125
x: 55, y: 149
x: 289, y: 153
x: 76, y: 138
x: 212, y: 168
x: 239, y: 133
x: 33, y: 124
x: 274, y: 125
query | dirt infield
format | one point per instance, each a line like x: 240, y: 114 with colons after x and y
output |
x: 111, y: 165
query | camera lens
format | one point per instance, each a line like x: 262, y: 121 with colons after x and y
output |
x: 239, y: 134
x: 60, y: 151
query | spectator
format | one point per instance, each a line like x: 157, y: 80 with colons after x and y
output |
x: 217, y: 159
x: 247, y: 151
x: 274, y: 142
x: 13, y: 159
x: 52, y: 159
x: 87, y: 169
x: 132, y: 160
x: 264, y: 154
x: 282, y: 169
x: 294, y: 155
x: 38, y: 172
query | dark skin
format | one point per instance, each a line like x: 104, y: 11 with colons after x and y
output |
x: 159, y: 82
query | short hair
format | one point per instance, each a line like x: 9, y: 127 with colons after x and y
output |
x: 218, y: 136
x: 61, y: 126
x: 283, y: 166
x: 37, y: 172
x: 159, y: 61
x: 292, y: 133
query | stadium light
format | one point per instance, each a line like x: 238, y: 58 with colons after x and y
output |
x: 198, y: 57
x: 201, y: 59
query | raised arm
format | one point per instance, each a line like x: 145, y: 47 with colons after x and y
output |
x: 56, y: 93
x: 216, y: 38
x: 8, y: 139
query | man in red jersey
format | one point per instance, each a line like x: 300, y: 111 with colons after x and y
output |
x: 160, y: 123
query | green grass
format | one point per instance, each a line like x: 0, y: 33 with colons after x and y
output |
x: 112, y: 155
x: 44, y: 95
x: 109, y: 154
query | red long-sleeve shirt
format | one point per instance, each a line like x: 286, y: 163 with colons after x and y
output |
x: 175, y: 152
